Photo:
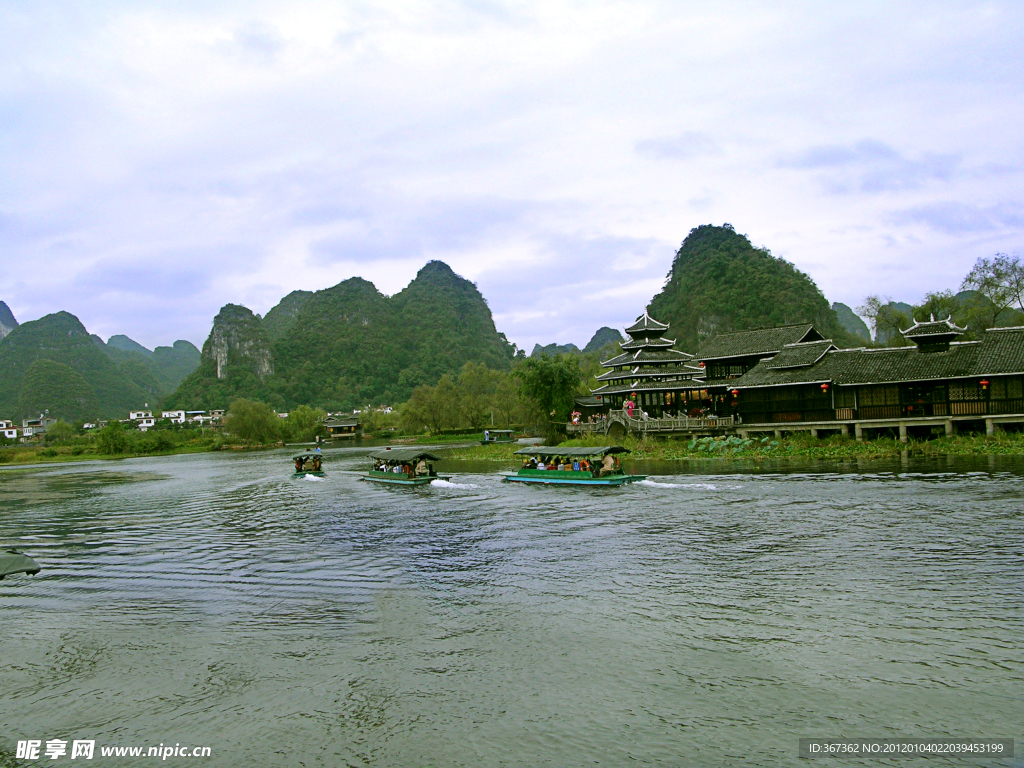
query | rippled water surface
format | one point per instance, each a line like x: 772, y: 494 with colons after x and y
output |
x: 706, y: 617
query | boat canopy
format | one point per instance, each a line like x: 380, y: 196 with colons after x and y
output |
x: 13, y: 561
x: 403, y: 454
x: 556, y: 451
x: 500, y: 431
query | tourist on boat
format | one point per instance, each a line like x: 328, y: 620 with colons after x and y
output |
x: 299, y: 461
x: 576, y: 466
x: 316, y: 463
x: 607, y: 465
x: 421, y: 468
x: 533, y: 462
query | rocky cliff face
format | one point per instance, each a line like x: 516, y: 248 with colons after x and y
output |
x: 238, y: 339
x: 7, y: 321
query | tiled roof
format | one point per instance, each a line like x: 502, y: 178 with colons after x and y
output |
x: 638, y: 343
x: 626, y: 387
x: 648, y: 371
x: 1001, y: 351
x: 646, y: 323
x: 933, y: 328
x: 800, y: 355
x: 645, y: 355
x: 759, y: 341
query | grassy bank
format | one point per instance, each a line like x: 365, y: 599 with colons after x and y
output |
x: 796, y: 445
x: 43, y: 454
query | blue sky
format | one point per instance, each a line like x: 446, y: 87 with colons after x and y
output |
x: 162, y: 159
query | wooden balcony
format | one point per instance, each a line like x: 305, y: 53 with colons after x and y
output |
x: 643, y: 426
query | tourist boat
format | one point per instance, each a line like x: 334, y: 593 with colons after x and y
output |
x: 593, y: 456
x: 308, y: 464
x: 498, y: 436
x: 400, y: 467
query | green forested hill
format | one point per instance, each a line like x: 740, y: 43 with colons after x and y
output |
x: 349, y: 345
x: 281, y: 318
x: 7, y: 321
x: 235, y: 362
x: 168, y: 366
x: 851, y: 321
x: 61, y: 338
x: 719, y: 282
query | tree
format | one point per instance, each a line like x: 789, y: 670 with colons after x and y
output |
x: 59, y: 431
x: 551, y: 383
x: 886, y: 321
x: 1000, y: 280
x: 508, y: 404
x: 304, y: 423
x: 253, y: 422
x: 941, y: 305
x: 112, y: 439
x: 475, y: 393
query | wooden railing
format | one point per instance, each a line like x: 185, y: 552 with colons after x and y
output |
x: 681, y: 424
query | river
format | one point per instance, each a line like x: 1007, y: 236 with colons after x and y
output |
x: 710, y: 616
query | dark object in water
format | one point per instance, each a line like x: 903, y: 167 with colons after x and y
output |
x: 13, y: 561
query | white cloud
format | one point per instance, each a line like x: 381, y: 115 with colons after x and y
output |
x: 161, y: 160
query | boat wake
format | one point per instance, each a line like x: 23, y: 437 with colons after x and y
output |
x: 313, y: 479
x: 700, y: 486
x: 450, y: 484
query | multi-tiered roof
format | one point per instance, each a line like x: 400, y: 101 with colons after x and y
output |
x: 648, y: 362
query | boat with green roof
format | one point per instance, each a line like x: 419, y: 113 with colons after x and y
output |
x: 308, y: 464
x: 403, y: 466
x: 573, y: 466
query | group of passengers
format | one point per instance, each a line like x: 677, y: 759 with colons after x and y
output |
x: 421, y: 468
x: 608, y: 466
x: 314, y: 463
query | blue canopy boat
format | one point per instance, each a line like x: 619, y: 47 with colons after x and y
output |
x: 579, y: 466
x: 403, y: 466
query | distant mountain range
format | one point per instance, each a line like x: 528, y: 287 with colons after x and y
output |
x: 347, y: 345
x: 54, y: 364
x: 601, y: 338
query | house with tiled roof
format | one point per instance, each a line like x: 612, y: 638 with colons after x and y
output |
x: 728, y: 356
x: 935, y: 382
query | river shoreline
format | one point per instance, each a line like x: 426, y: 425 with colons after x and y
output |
x: 796, y: 446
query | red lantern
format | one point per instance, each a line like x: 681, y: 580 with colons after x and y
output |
x: 984, y: 383
x: 824, y: 387
x: 735, y: 392
x: 701, y: 364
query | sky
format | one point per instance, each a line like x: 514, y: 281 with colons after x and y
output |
x: 159, y: 160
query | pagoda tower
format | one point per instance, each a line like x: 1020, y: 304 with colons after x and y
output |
x: 658, y: 378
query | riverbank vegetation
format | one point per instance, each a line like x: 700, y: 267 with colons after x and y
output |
x: 798, y: 445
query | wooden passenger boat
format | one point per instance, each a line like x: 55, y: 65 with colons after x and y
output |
x: 588, y: 466
x: 308, y: 464
x: 403, y: 466
x: 498, y: 436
